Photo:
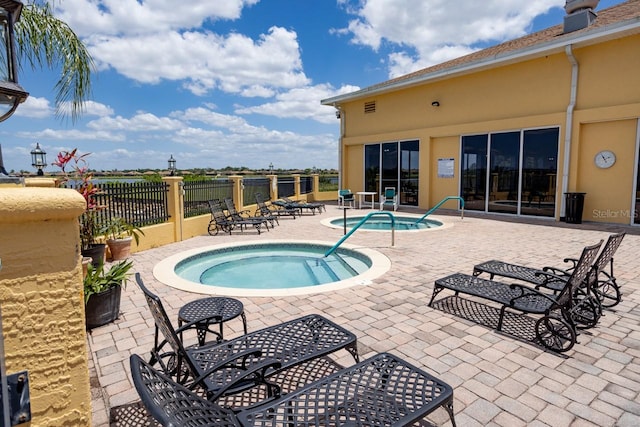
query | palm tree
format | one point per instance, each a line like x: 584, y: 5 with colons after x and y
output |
x: 45, y: 41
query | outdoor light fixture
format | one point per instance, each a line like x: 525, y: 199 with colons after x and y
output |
x: 271, y: 168
x: 11, y: 93
x: 435, y: 104
x: 337, y: 114
x: 172, y: 165
x: 38, y: 159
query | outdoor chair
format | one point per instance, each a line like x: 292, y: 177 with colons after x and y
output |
x: 606, y: 288
x: 389, y: 197
x: 382, y: 391
x: 266, y: 210
x: 243, y: 218
x: 311, y: 206
x: 555, y: 329
x: 249, y: 361
x: 221, y: 222
x: 346, y: 197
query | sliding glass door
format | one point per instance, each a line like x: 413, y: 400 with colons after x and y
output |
x: 522, y: 169
x: 393, y: 164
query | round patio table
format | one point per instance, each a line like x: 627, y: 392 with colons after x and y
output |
x: 210, y: 311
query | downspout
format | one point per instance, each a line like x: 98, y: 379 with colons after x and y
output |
x: 340, y: 115
x: 569, y: 126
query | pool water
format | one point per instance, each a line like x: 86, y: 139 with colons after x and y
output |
x: 271, y: 266
x: 402, y: 223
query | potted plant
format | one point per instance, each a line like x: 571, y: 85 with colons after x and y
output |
x: 119, y: 234
x: 102, y: 290
x: 81, y: 179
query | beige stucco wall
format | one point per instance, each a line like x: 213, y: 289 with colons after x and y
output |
x: 42, y: 302
x: 531, y: 94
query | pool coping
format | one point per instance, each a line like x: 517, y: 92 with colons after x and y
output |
x: 164, y: 271
x: 445, y: 221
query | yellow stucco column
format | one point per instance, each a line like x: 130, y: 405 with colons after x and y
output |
x: 296, y: 186
x: 176, y: 205
x: 238, y: 198
x: 273, y: 187
x: 41, y: 297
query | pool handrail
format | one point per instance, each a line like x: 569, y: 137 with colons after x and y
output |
x: 362, y: 221
x: 440, y: 203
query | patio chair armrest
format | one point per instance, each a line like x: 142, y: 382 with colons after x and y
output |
x: 573, y: 261
x: 558, y: 272
x: 552, y: 275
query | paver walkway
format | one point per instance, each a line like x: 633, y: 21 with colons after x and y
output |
x: 498, y: 379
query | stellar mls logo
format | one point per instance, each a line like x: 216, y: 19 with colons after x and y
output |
x: 613, y: 213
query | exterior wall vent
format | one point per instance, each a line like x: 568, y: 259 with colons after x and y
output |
x: 370, y: 107
x: 580, y: 14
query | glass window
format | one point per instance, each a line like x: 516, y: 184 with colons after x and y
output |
x: 409, y: 168
x: 474, y: 171
x: 372, y: 167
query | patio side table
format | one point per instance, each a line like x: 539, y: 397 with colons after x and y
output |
x: 210, y: 311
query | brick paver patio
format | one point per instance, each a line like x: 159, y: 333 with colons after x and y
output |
x: 499, y: 379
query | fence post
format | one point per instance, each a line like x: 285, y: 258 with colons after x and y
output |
x: 316, y: 187
x: 175, y: 200
x: 238, y: 198
x: 273, y: 187
x: 296, y: 186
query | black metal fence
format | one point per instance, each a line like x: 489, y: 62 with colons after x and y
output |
x: 286, y: 186
x: 253, y: 186
x: 198, y: 193
x: 306, y: 184
x: 139, y: 203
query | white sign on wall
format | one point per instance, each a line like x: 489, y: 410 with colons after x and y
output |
x: 445, y: 168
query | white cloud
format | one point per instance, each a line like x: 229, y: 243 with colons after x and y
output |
x: 72, y: 134
x: 204, y: 60
x: 130, y: 17
x: 422, y: 33
x: 301, y: 103
x: 140, y: 122
x: 35, y: 107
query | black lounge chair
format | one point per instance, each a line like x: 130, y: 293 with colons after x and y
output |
x: 243, y: 216
x: 605, y: 288
x: 310, y: 206
x: 556, y: 329
x: 251, y: 360
x: 273, y: 210
x: 221, y: 222
x: 380, y: 391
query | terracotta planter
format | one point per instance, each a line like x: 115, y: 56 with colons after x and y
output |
x: 103, y: 307
x: 85, y: 261
x: 96, y: 252
x: 120, y: 248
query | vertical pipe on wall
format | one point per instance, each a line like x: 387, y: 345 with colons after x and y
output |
x: 569, y: 126
x: 341, y: 117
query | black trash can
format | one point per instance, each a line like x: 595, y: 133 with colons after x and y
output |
x: 574, y: 207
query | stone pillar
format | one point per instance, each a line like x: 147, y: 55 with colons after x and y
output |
x: 316, y: 187
x: 273, y: 187
x: 238, y: 193
x: 41, y: 296
x: 296, y: 186
x: 175, y: 198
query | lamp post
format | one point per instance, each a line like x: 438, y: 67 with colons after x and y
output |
x: 172, y: 165
x: 38, y: 159
x: 11, y: 93
x: 270, y: 168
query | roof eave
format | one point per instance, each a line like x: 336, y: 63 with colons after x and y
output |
x: 584, y: 39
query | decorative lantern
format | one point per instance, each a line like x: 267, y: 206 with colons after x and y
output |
x: 172, y: 165
x: 38, y: 159
x: 11, y: 93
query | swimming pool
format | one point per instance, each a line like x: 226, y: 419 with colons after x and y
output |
x: 270, y: 268
x: 383, y: 223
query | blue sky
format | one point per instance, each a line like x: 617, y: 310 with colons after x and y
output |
x: 219, y: 83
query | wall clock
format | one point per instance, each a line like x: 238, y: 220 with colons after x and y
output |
x: 604, y: 159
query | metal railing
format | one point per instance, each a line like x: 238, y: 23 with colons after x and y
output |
x: 251, y: 186
x: 138, y: 203
x: 198, y: 193
x: 286, y: 186
x: 359, y: 224
x: 440, y: 203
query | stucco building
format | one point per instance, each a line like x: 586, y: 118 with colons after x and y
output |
x: 511, y: 128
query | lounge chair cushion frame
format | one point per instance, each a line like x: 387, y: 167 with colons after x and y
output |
x: 556, y: 329
x: 382, y: 390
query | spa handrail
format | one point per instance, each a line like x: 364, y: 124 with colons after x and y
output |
x: 362, y: 221
x: 443, y: 201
